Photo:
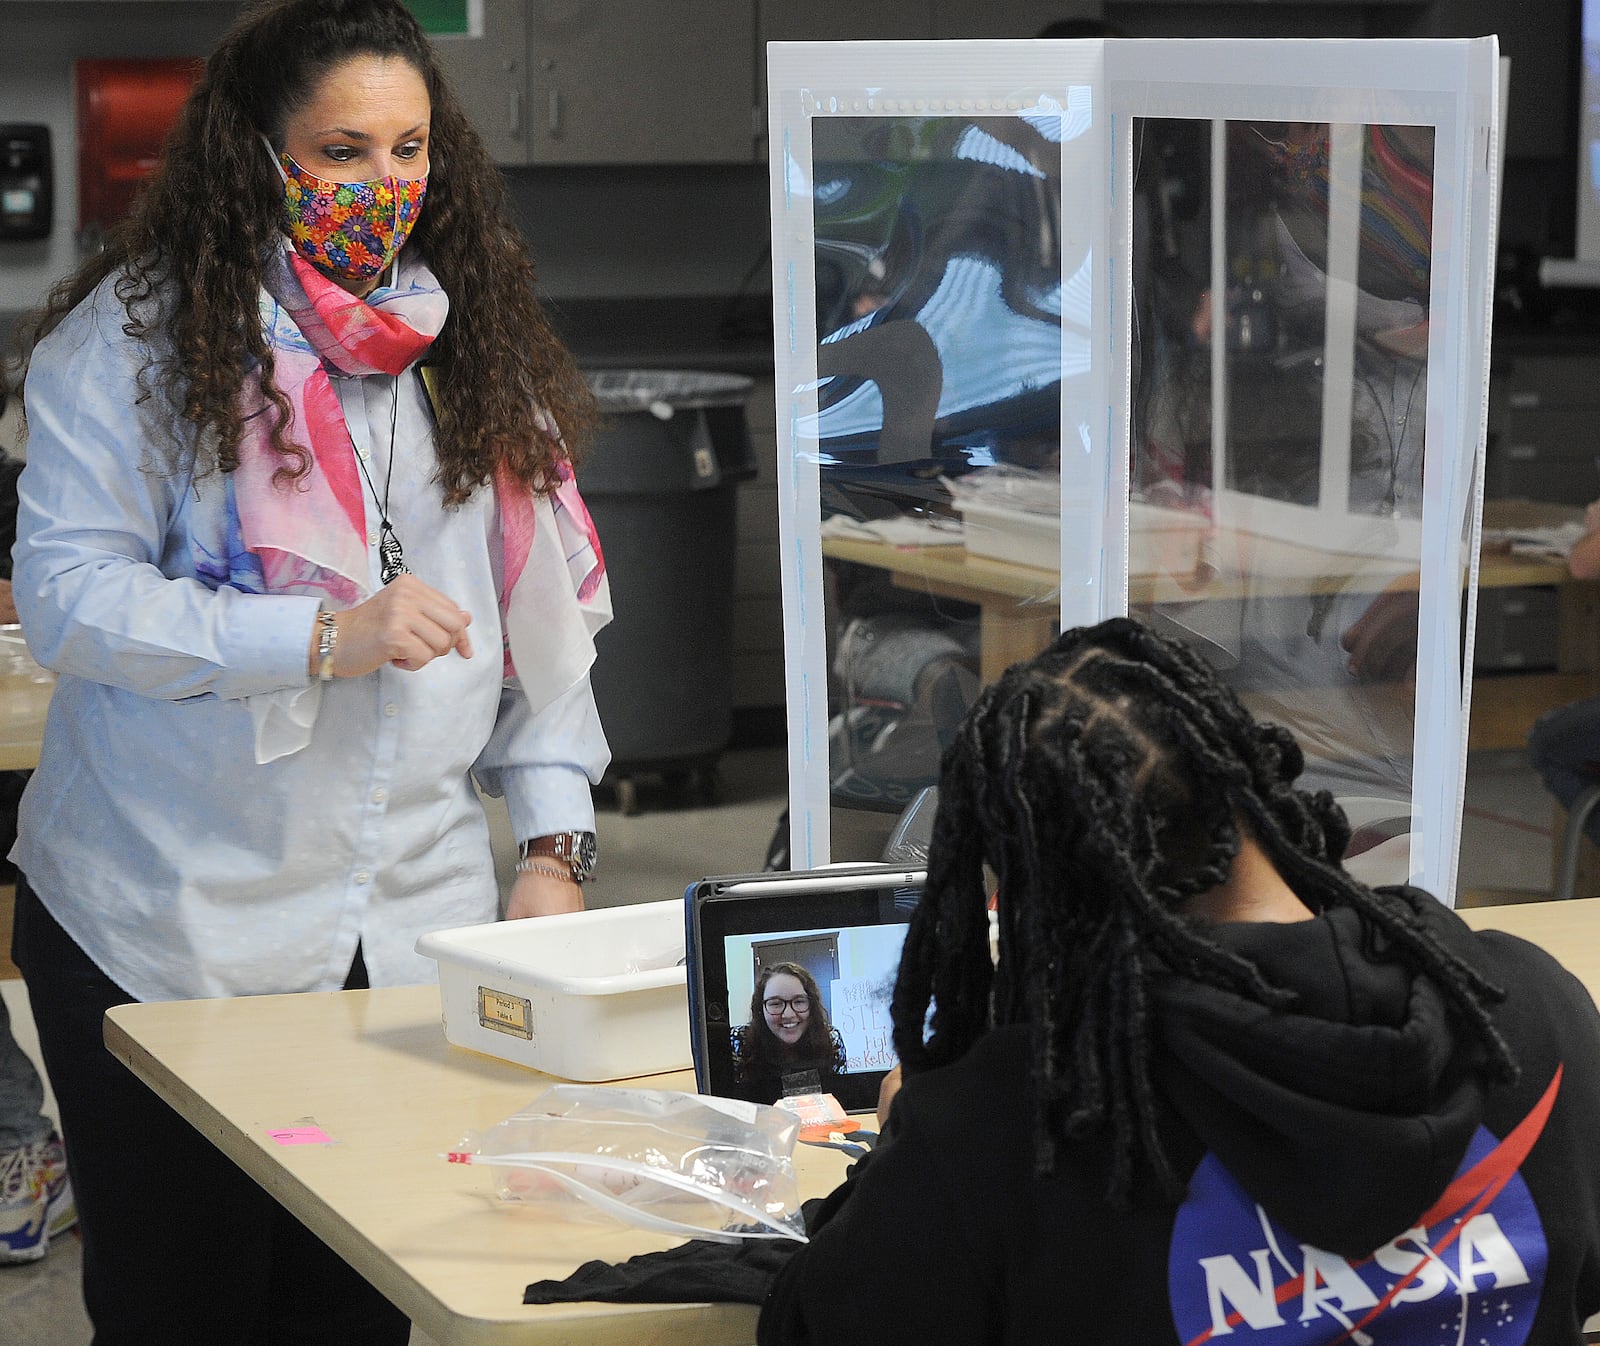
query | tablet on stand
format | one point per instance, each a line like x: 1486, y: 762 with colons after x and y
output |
x: 844, y: 925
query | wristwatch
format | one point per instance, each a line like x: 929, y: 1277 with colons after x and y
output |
x: 576, y: 850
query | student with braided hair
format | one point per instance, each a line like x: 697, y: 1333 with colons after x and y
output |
x: 1213, y: 1086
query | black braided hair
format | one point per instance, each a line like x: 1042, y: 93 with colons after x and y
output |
x: 1105, y: 782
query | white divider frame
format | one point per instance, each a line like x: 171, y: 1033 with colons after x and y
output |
x: 808, y: 80
x: 1448, y: 84
x: 1453, y: 86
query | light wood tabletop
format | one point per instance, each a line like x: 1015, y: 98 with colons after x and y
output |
x: 372, y: 1070
x: 1568, y: 931
x: 25, y: 691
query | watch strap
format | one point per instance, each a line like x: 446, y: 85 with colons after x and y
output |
x: 576, y: 850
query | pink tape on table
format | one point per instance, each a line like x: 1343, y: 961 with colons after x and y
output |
x: 301, y: 1135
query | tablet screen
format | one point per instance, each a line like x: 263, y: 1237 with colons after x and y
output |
x: 795, y: 982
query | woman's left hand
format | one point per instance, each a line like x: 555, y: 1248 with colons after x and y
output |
x: 538, y: 893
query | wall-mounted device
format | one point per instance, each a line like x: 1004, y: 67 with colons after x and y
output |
x: 27, y: 193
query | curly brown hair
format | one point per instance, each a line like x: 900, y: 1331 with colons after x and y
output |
x: 187, y: 262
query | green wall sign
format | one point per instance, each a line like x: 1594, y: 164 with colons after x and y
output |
x: 446, y: 18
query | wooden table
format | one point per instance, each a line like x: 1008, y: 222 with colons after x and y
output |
x: 25, y: 692
x: 1569, y: 931
x: 372, y: 1069
x: 1018, y: 608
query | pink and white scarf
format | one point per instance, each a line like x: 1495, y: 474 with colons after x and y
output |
x: 310, y: 536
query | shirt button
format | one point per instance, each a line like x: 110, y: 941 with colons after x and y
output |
x: 391, y: 710
x: 372, y: 539
x: 363, y: 876
x: 378, y: 796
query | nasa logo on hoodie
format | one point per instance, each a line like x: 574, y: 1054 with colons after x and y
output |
x: 1470, y: 1270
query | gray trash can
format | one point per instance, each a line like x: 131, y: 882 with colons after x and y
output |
x: 660, y: 482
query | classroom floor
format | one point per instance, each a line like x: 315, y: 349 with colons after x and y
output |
x: 654, y: 854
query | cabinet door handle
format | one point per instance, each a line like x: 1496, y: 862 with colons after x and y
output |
x: 555, y: 112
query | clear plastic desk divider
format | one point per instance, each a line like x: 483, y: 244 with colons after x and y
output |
x: 1066, y: 330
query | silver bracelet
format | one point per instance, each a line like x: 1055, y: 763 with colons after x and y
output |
x: 538, y: 865
x: 327, y: 638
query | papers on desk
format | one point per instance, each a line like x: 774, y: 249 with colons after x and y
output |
x: 898, y: 530
x: 1546, y: 540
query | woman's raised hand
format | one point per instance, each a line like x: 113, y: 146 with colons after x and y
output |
x: 406, y: 623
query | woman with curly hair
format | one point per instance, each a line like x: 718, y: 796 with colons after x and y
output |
x: 299, y: 535
x: 788, y: 1046
x: 1213, y: 1087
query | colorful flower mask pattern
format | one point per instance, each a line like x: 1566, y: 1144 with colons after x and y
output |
x: 349, y: 229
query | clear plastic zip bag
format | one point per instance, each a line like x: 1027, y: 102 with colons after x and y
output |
x: 678, y: 1163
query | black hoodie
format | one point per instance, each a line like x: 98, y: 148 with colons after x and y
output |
x: 1349, y: 1176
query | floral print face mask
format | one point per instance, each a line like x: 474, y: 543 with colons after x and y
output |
x: 349, y: 230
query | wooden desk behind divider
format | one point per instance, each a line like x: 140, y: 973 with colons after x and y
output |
x: 1019, y: 606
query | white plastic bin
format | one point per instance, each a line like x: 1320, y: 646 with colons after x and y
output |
x: 1011, y: 514
x: 1009, y: 534
x: 593, y: 995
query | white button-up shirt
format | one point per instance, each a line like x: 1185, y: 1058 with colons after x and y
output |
x: 182, y: 866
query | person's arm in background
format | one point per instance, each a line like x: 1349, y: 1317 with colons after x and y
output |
x: 1583, y: 561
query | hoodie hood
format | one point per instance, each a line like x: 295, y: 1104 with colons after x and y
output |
x: 1346, y: 1114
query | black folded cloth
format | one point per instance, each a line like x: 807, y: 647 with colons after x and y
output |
x: 700, y: 1271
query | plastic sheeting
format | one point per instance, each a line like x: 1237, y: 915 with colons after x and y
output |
x: 1066, y: 329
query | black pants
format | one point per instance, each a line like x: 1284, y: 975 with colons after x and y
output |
x: 179, y: 1244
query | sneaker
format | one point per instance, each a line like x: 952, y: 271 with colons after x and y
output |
x: 24, y: 1208
x: 49, y: 1160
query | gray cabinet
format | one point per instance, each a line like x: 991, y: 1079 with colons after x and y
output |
x: 490, y: 76
x: 1544, y: 429
x: 609, y: 82
x: 1518, y: 629
x: 869, y: 20
x: 832, y: 21
x: 641, y: 82
x: 840, y: 21
x: 1007, y: 18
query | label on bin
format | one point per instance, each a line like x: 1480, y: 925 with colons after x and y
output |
x: 505, y: 1013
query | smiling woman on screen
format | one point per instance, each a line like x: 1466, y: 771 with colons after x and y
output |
x: 789, y: 1046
